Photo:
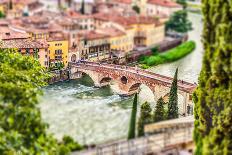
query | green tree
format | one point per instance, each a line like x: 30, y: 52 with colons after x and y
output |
x: 213, y: 97
x: 179, y: 22
x: 136, y: 9
x: 132, y: 127
x: 145, y: 118
x: 21, y: 126
x: 173, y: 99
x: 159, y: 112
x: 2, y: 14
x: 183, y: 3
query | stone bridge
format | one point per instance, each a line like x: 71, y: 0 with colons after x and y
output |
x: 129, y: 80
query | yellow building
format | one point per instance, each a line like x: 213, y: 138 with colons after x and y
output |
x: 148, y: 31
x: 40, y: 29
x: 2, y: 8
x: 119, y: 40
x: 58, y: 51
x: 94, y: 46
x: 24, y: 45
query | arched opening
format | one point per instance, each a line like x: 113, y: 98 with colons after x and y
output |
x: 86, y: 80
x: 145, y: 93
x: 134, y: 87
x: 124, y: 80
x: 74, y: 58
x: 105, y: 80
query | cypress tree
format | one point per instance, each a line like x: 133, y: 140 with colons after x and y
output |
x: 69, y: 3
x: 132, y: 127
x: 173, y: 99
x: 145, y: 118
x: 159, y: 112
x: 213, y: 97
x: 10, y: 5
x: 83, y: 7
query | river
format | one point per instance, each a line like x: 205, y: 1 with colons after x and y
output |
x: 94, y: 115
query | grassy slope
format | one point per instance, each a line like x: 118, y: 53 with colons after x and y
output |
x: 169, y: 56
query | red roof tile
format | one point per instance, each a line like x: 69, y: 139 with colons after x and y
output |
x: 164, y: 3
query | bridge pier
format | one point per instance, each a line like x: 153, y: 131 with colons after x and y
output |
x: 129, y: 80
x: 76, y: 75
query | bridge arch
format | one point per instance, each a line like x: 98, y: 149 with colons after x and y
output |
x: 105, y: 80
x: 124, y: 79
x: 146, y: 93
x: 91, y: 75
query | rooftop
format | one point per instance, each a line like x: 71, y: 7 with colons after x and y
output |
x: 23, y: 44
x: 8, y: 34
x: 124, y: 1
x: 165, y: 3
x: 93, y: 35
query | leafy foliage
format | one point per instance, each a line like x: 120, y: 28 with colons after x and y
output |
x: 155, y: 50
x: 145, y: 118
x: 21, y: 126
x: 179, y: 22
x: 132, y: 127
x: 173, y: 99
x: 169, y: 56
x: 136, y: 9
x: 213, y: 117
x: 182, y: 2
x: 159, y: 112
x: 2, y: 14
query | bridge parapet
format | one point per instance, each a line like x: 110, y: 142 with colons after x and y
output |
x: 134, y: 73
x: 129, y: 80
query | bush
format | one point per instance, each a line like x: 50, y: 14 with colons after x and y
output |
x: 155, y: 50
x: 171, y: 55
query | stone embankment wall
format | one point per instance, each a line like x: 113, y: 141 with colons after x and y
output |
x: 59, y: 76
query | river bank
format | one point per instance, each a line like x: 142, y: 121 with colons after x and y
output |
x: 95, y: 115
x: 167, y: 56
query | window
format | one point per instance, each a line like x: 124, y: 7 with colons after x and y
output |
x: 27, y: 51
x: 58, y: 52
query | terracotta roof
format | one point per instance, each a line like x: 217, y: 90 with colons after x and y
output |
x: 24, y: 2
x: 123, y: 1
x: 22, y: 44
x: 113, y: 32
x: 126, y: 21
x: 92, y: 35
x: 165, y: 3
x: 76, y: 15
x: 56, y: 37
x: 8, y: 34
x: 4, y: 22
x: 39, y: 25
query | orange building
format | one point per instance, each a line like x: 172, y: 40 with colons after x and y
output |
x: 24, y: 45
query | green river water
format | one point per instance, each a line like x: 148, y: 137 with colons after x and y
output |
x: 95, y: 115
